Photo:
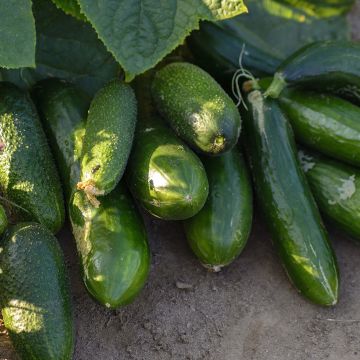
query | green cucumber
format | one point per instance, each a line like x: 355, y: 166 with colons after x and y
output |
x: 197, y: 108
x: 288, y: 205
x: 35, y: 295
x: 336, y: 188
x: 113, y: 248
x: 164, y: 175
x: 63, y: 108
x: 219, y: 232
x: 28, y: 176
x: 3, y: 220
x: 332, y: 66
x: 108, y: 139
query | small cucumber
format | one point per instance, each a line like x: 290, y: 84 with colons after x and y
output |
x: 3, y: 220
x: 336, y: 188
x: 286, y: 200
x: 28, y: 175
x: 63, y: 108
x: 332, y: 66
x: 197, y: 108
x: 108, y: 139
x: 164, y: 175
x: 219, y: 232
x: 35, y: 295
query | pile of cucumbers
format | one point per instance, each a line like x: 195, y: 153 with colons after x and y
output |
x: 169, y: 143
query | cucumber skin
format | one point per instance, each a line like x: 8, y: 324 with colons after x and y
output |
x: 287, y: 203
x: 34, y: 274
x: 28, y: 175
x: 325, y: 123
x: 186, y: 186
x: 109, y: 135
x: 63, y: 108
x: 197, y: 108
x: 3, y: 220
x: 219, y: 232
x: 112, y: 245
x: 328, y: 179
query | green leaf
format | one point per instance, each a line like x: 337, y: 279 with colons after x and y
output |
x: 68, y: 49
x: 141, y: 32
x: 70, y: 7
x: 17, y: 34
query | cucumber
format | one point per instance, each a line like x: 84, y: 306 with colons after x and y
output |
x: 164, y: 175
x: 28, y: 176
x: 63, y: 108
x: 332, y: 66
x: 108, y: 139
x: 113, y: 248
x: 336, y: 188
x: 217, y: 47
x: 3, y: 220
x: 219, y: 232
x: 35, y: 295
x: 197, y: 108
x: 289, y: 208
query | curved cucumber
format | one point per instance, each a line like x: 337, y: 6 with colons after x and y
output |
x: 289, y: 208
x: 63, y: 108
x: 164, y: 175
x: 3, y: 220
x: 219, y: 232
x: 35, y: 295
x: 336, y: 188
x: 197, y: 108
x: 108, y: 139
x: 112, y: 245
x: 28, y: 176
x: 332, y: 66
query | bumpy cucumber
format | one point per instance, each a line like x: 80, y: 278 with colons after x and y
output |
x: 327, y: 66
x: 164, y: 175
x: 35, y: 297
x: 289, y: 208
x: 3, y: 220
x: 219, y: 232
x: 63, y: 108
x: 336, y: 188
x: 28, y: 175
x: 197, y: 108
x: 108, y: 139
x: 113, y: 247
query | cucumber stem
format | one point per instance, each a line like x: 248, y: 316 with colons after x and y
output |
x: 276, y: 87
x: 250, y: 85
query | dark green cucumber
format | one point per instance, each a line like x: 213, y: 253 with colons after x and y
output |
x: 35, y: 295
x: 3, y: 220
x: 108, y: 139
x: 197, y: 108
x: 289, y: 208
x: 332, y: 66
x: 336, y: 188
x: 217, y: 48
x: 112, y: 245
x: 164, y: 175
x: 63, y: 108
x: 219, y: 232
x: 28, y: 176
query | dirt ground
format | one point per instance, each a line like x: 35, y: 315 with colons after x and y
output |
x: 249, y: 311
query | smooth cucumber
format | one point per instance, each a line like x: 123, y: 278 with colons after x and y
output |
x: 3, y: 220
x: 197, y: 108
x: 35, y: 295
x: 164, y: 175
x: 63, y: 109
x: 332, y: 66
x: 108, y: 139
x: 336, y: 188
x: 288, y: 205
x: 28, y: 177
x: 219, y: 232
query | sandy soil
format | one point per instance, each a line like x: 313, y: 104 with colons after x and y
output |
x: 249, y: 311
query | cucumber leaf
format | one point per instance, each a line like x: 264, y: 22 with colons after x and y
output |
x: 70, y: 7
x: 139, y: 33
x: 17, y: 34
